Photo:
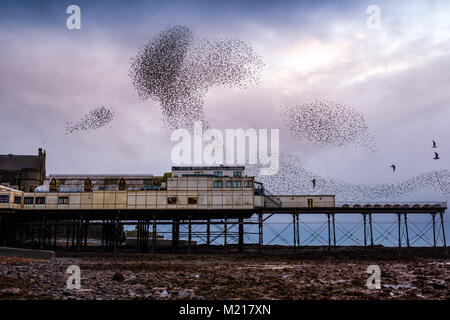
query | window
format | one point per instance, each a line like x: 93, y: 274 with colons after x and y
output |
x: 4, y: 199
x: 248, y: 184
x: 218, y: 184
x: 88, y: 185
x: 218, y: 173
x: 310, y: 203
x: 228, y: 184
x: 192, y: 200
x: 39, y: 200
x: 197, y: 173
x: 172, y: 200
x: 236, y: 184
x: 237, y: 173
x: 28, y: 200
x: 17, y: 199
x: 63, y: 200
x: 122, y: 184
x: 53, y: 185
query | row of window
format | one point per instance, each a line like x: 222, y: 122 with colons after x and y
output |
x: 41, y: 200
x: 5, y: 199
x: 65, y: 200
x: 220, y: 173
x: 173, y: 200
x: 53, y: 186
x: 31, y: 200
x: 234, y: 184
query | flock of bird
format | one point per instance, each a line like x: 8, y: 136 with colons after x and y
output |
x: 95, y: 119
x: 293, y: 177
x: 177, y: 69
x: 325, y: 123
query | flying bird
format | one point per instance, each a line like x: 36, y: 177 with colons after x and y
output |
x: 434, y: 144
x: 313, y: 182
x: 393, y: 167
x: 436, y: 156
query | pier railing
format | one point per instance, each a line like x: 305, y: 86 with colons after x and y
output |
x: 396, y: 204
x: 275, y: 203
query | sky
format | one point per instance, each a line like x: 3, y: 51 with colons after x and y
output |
x: 395, y: 76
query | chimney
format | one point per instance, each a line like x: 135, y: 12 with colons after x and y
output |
x: 40, y: 152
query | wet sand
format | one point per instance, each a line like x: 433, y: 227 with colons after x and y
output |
x: 276, y: 274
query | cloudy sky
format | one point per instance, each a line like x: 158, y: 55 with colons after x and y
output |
x: 396, y: 77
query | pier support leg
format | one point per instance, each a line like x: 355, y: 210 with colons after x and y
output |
x: 294, y: 231
x: 154, y: 235
x: 175, y: 234
x: 208, y: 233
x: 433, y: 217
x: 47, y: 233
x: 2, y: 232
x: 442, y: 227
x: 67, y: 233
x: 370, y: 229
x: 225, y: 233
x: 296, y: 227
x: 365, y: 230
x: 399, y: 231
x: 241, y: 235
x: 50, y: 230
x: 86, y: 231
x: 79, y: 234
x: 147, y: 233
x: 138, y: 235
x: 142, y: 236
x: 406, y: 228
x: 116, y: 235
x: 260, y: 231
x: 334, y: 230
x: 73, y: 234
x: 27, y: 232
x: 105, y: 234
x: 189, y: 235
x: 40, y: 234
x: 55, y: 233
x: 329, y: 230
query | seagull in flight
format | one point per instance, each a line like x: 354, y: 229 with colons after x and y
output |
x: 436, y: 156
x: 393, y: 167
x: 434, y: 144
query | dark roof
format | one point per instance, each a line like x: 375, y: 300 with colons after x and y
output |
x: 18, y: 162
